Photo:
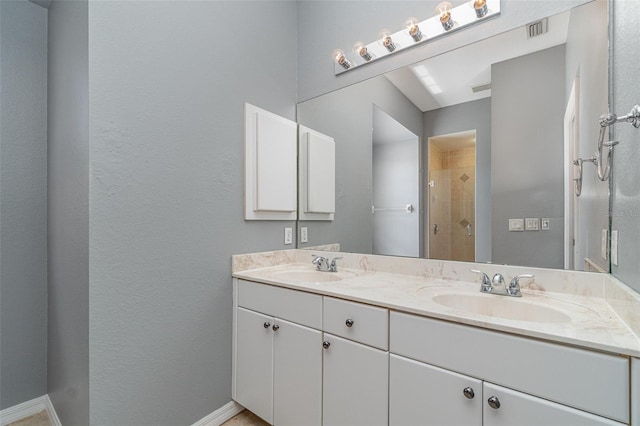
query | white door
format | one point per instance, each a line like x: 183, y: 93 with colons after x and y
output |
x: 396, y: 182
x: 421, y: 394
x: 355, y: 384
x: 254, y: 363
x: 297, y: 383
x: 573, y: 259
x: 517, y: 408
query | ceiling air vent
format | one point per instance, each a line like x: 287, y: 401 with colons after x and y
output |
x: 537, y: 28
x: 481, y: 87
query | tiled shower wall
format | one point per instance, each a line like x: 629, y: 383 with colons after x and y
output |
x: 452, y: 203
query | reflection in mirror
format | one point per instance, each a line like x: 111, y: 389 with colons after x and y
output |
x: 516, y: 110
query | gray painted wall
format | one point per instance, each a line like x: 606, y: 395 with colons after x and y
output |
x: 351, y: 21
x: 346, y: 115
x: 469, y: 116
x: 166, y: 195
x: 626, y: 179
x: 68, y: 348
x: 527, y: 157
x: 587, y: 58
x: 23, y: 200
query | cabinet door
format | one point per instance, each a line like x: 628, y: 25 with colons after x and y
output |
x: 520, y: 409
x: 355, y: 384
x: 254, y: 363
x: 297, y: 382
x: 420, y: 394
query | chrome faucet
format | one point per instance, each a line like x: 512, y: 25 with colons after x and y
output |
x: 497, y: 284
x: 323, y: 264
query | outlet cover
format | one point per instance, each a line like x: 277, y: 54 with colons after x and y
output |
x: 288, y: 235
x: 614, y: 247
x: 603, y: 243
x: 304, y: 235
x: 516, y: 225
x: 532, y: 224
x: 546, y: 224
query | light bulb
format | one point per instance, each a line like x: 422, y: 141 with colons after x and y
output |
x: 413, y: 29
x: 341, y: 59
x: 480, y: 7
x: 444, y: 12
x: 362, y: 50
x: 387, y: 42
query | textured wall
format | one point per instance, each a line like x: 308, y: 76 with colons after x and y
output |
x: 626, y: 178
x: 526, y: 157
x: 350, y: 21
x: 68, y: 342
x: 353, y: 223
x: 167, y: 92
x: 23, y: 200
x: 477, y: 116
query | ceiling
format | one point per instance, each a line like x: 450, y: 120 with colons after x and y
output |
x: 447, y: 79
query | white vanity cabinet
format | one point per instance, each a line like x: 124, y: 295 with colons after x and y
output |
x: 421, y: 394
x: 509, y: 407
x: 278, y: 363
x: 539, y: 383
x: 355, y: 385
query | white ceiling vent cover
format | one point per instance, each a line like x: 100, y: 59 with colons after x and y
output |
x: 537, y: 28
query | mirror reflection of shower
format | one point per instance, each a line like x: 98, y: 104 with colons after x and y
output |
x: 451, y: 188
x: 396, y: 193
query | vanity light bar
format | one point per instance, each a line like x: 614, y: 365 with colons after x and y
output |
x: 447, y: 20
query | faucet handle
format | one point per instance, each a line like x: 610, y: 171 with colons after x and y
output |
x: 514, y: 285
x: 322, y: 264
x: 333, y: 267
x: 486, y: 282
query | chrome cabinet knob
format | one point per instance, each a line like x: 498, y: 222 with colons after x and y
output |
x: 349, y: 323
x: 468, y: 393
x: 266, y: 325
x: 275, y: 327
x: 493, y: 402
x: 326, y: 344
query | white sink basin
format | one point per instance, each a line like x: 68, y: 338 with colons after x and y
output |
x: 505, y: 307
x: 312, y: 276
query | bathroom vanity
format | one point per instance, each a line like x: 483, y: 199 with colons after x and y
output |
x: 412, y: 341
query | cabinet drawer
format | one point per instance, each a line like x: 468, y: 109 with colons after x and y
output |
x: 292, y: 305
x: 590, y: 381
x: 356, y: 321
x: 517, y: 408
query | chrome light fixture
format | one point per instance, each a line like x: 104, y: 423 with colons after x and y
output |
x: 362, y: 51
x: 443, y: 10
x: 341, y: 59
x: 387, y: 41
x: 413, y: 29
x: 480, y: 6
x: 416, y: 32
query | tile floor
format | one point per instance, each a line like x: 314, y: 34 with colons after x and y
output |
x: 245, y: 418
x: 38, y: 419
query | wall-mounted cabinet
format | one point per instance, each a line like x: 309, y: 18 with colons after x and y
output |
x: 270, y: 166
x: 281, y: 161
x: 316, y: 174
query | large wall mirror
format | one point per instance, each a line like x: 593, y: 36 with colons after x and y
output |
x: 468, y: 155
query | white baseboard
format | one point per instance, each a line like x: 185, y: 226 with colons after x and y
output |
x: 221, y: 415
x: 29, y: 408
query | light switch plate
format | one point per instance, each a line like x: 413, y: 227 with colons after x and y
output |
x: 603, y: 243
x: 614, y: 247
x: 516, y: 225
x: 532, y: 224
x: 304, y: 235
x: 546, y: 224
x: 288, y: 235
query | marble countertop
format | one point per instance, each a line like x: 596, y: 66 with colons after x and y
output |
x: 582, y: 320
